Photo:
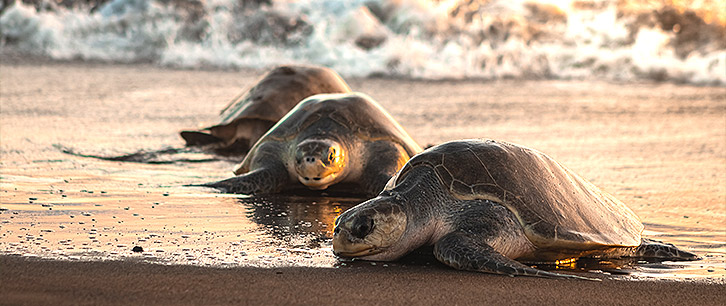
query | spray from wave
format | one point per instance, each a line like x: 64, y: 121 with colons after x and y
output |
x: 681, y: 41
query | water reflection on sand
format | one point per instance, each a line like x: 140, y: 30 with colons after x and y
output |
x: 188, y: 226
x: 291, y: 217
x: 171, y: 226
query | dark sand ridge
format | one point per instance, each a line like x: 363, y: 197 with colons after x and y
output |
x: 127, y: 282
x: 657, y: 147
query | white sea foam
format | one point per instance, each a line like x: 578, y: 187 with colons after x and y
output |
x: 414, y: 38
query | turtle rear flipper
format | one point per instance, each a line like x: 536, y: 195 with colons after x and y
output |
x: 463, y: 252
x: 654, y: 249
x: 198, y: 138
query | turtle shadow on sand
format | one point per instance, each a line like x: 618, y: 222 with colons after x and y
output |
x: 623, y: 266
x: 243, y: 121
x: 161, y: 156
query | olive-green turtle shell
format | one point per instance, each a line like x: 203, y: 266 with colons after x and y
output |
x: 279, y: 91
x: 355, y: 114
x: 555, y: 206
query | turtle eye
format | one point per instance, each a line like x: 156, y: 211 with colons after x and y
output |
x: 362, y: 226
x: 331, y: 156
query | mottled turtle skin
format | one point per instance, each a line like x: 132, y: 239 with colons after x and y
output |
x: 346, y: 140
x: 486, y: 205
x: 251, y: 114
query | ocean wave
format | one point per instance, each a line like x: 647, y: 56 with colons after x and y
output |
x: 679, y: 41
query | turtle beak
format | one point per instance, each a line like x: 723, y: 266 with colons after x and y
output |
x: 317, y: 182
x: 344, y: 245
x: 314, y: 174
x: 349, y: 236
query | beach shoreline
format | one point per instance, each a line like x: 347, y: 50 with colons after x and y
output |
x: 652, y: 145
x: 33, y: 281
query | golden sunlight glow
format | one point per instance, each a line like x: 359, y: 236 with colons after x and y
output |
x: 562, y: 5
x: 568, y: 263
x: 330, y: 219
x: 711, y: 11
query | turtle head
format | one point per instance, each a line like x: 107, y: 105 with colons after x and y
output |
x: 320, y: 163
x: 371, y: 230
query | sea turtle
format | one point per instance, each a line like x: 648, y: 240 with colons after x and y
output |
x: 326, y: 139
x: 251, y: 114
x: 483, y: 204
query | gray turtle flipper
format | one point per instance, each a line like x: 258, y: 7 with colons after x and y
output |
x: 269, y: 175
x: 198, y: 138
x: 384, y: 160
x: 260, y: 181
x: 654, y: 249
x: 463, y: 251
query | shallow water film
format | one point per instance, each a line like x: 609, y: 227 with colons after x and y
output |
x: 657, y: 147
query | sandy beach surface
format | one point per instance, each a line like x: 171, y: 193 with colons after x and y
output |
x: 69, y: 224
x: 128, y: 282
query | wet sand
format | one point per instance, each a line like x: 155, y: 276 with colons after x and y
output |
x: 126, y: 282
x: 660, y: 148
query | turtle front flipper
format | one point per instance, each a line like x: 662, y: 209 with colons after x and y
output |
x: 463, y: 252
x: 260, y: 181
x: 261, y: 172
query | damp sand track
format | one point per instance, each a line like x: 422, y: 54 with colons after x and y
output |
x: 660, y: 148
x: 127, y: 282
